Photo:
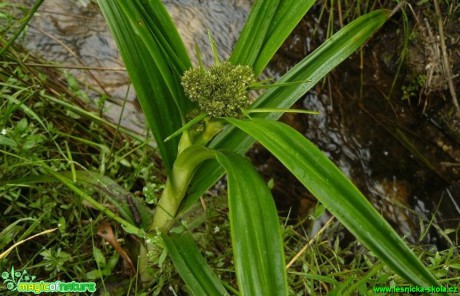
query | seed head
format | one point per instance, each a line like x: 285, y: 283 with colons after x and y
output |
x: 221, y: 90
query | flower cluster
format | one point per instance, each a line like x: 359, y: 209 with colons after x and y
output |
x: 221, y: 90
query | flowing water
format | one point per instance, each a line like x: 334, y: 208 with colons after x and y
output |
x: 75, y: 33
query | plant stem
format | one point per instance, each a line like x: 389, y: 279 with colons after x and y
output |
x: 176, y: 186
x: 189, y: 157
x: 213, y: 127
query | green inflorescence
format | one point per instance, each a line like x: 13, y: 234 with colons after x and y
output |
x: 221, y: 90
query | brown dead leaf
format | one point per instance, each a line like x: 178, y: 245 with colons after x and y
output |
x: 105, y: 231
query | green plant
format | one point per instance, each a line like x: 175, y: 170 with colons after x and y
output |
x: 55, y: 261
x: 156, y: 61
x: 44, y: 227
x: 104, y: 267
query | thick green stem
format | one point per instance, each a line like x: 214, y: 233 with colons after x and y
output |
x: 177, y: 184
x: 213, y: 127
x: 190, y: 156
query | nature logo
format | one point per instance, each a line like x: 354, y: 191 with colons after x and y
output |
x: 13, y: 278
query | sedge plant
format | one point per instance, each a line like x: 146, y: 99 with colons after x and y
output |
x: 203, y: 122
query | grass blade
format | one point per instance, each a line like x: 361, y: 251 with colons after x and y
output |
x: 311, y: 70
x: 333, y: 189
x: 127, y: 226
x: 25, y: 22
x: 129, y: 206
x: 256, y: 234
x: 192, y: 267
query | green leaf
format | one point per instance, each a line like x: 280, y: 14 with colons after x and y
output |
x: 268, y: 25
x: 99, y: 257
x: 273, y: 110
x: 8, y: 142
x: 254, y: 32
x: 22, y: 125
x: 113, y: 260
x: 255, y: 229
x: 164, y: 31
x: 311, y: 70
x: 10, y: 231
x: 155, y: 58
x: 191, y: 265
x: 288, y: 15
x: 94, y: 274
x: 336, y: 192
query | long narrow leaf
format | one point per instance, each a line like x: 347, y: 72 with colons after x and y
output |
x: 163, y: 28
x: 311, y: 70
x: 254, y: 33
x: 288, y: 15
x: 267, y: 27
x: 338, y: 195
x: 165, y: 45
x: 256, y: 234
x: 151, y: 22
x: 191, y: 265
x: 154, y: 63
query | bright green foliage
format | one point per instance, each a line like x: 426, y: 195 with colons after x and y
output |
x: 253, y: 36
x: 269, y: 24
x: 311, y: 70
x: 256, y: 233
x: 330, y: 186
x: 161, y: 55
x: 192, y: 266
x: 221, y: 90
